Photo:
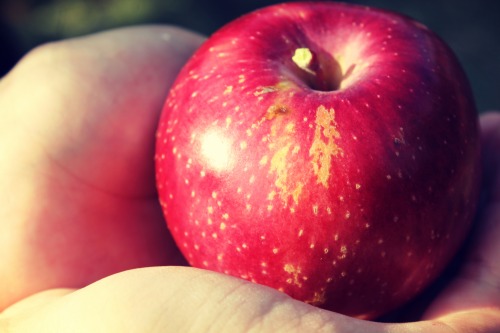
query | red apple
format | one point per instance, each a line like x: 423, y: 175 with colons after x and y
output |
x: 327, y: 150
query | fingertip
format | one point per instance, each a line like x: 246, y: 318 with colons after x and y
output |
x: 489, y: 122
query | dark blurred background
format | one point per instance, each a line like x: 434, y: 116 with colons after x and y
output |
x: 470, y: 27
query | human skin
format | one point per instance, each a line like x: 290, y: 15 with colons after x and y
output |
x: 72, y: 111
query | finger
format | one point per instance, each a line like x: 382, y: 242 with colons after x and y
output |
x: 490, y: 135
x: 91, y: 104
x: 477, y: 288
x: 177, y: 299
x: 77, y: 127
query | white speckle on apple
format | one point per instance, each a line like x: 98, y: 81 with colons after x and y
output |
x: 252, y: 179
x: 325, y: 250
x: 248, y: 207
x: 194, y: 94
x: 336, y: 237
x: 205, y: 263
x: 243, y: 145
x: 193, y: 194
x: 380, y: 241
x: 229, y: 89
x: 301, y: 232
x: 210, y: 209
x: 343, y: 274
x: 220, y: 256
x: 222, y: 226
x: 343, y: 252
x: 312, y: 246
x: 347, y: 215
x: 358, y: 186
x: 329, y: 210
x: 196, y: 247
x: 225, y: 216
x: 315, y: 209
x: 209, y: 221
x: 203, y: 234
x: 275, y: 250
x: 269, y: 207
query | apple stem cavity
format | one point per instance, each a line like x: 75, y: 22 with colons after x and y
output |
x: 319, y: 70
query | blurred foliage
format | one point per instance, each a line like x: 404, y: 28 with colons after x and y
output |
x: 470, y: 27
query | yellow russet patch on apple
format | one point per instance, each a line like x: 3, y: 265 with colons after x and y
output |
x: 318, y: 298
x: 279, y: 166
x: 294, y: 272
x: 324, y: 147
x: 281, y: 144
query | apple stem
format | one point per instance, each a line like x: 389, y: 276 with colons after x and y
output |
x: 303, y: 58
x: 318, y: 70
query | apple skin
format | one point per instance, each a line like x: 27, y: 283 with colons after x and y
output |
x: 348, y: 183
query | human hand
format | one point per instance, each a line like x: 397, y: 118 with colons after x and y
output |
x: 77, y: 183
x: 62, y: 137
